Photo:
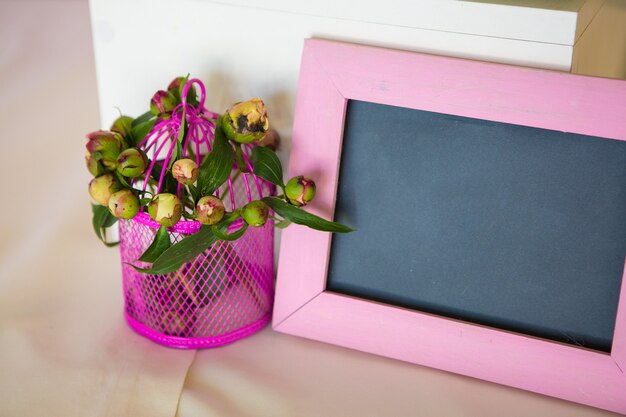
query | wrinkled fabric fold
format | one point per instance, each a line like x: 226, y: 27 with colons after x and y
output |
x: 65, y: 349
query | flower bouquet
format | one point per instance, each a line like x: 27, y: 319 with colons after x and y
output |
x: 194, y: 193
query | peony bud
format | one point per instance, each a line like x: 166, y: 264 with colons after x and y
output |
x: 101, y: 188
x: 185, y: 171
x: 300, y: 190
x: 165, y: 209
x: 271, y: 140
x: 246, y: 122
x: 132, y: 163
x: 174, y: 88
x: 256, y: 213
x: 210, y: 210
x: 107, y: 145
x: 122, y: 125
x: 93, y: 166
x: 162, y: 102
x: 124, y: 204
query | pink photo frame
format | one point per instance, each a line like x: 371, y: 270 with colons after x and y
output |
x: 331, y: 74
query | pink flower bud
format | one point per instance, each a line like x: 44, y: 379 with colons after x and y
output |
x: 185, y: 171
x: 246, y: 122
x: 103, y: 187
x: 165, y: 209
x: 255, y: 213
x: 95, y: 168
x: 132, y: 163
x: 210, y: 210
x: 124, y: 204
x: 105, y: 147
x: 122, y: 125
x: 162, y: 102
x: 300, y: 190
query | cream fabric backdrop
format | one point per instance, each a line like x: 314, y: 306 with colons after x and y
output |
x: 64, y: 347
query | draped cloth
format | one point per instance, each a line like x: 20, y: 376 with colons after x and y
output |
x: 65, y: 349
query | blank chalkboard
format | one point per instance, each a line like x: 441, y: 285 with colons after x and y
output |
x: 514, y: 227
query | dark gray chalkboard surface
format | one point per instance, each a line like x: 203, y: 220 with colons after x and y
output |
x: 509, y: 226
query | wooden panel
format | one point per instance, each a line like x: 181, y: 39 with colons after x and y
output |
x: 601, y: 49
x: 542, y: 99
x: 173, y: 38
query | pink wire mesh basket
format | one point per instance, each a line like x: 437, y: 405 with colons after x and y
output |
x: 224, y: 294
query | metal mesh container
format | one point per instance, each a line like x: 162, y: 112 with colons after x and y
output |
x: 226, y: 292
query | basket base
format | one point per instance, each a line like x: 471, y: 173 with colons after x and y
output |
x: 196, y: 343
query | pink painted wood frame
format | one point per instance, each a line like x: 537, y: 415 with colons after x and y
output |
x: 331, y: 74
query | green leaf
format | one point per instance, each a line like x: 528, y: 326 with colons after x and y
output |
x: 221, y: 229
x: 183, y: 125
x: 299, y: 216
x: 169, y: 185
x: 177, y: 152
x: 229, y: 237
x: 181, y: 87
x: 228, y: 219
x: 99, y: 215
x: 159, y: 244
x: 143, y: 118
x: 184, y: 251
x: 217, y: 166
x: 110, y: 219
x: 191, y: 94
x: 183, y: 128
x: 138, y: 132
x: 241, y: 164
x: 282, y: 224
x: 267, y: 165
x: 190, y: 152
x: 102, y: 218
x: 122, y: 180
x: 189, y: 216
x: 194, y: 192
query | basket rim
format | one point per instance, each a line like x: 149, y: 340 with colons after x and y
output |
x: 184, y: 226
x: 197, y: 342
